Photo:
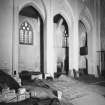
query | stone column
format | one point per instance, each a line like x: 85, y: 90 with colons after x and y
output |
x: 71, y: 53
x: 76, y: 47
x: 49, y: 53
x: 15, y: 40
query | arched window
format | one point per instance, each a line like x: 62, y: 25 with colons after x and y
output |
x: 25, y: 34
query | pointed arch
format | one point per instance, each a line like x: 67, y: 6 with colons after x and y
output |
x: 86, y: 17
x: 35, y: 6
x: 31, y: 13
x: 67, y: 13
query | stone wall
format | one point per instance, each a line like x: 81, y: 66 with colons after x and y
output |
x: 29, y: 55
x: 102, y: 25
x: 71, y: 10
x: 6, y: 27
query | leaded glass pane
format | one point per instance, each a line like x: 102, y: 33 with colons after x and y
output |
x: 25, y: 34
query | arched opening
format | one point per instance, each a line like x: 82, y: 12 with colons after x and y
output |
x: 61, y: 36
x: 31, y: 46
x: 83, y: 46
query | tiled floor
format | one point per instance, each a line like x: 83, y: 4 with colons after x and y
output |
x: 79, y: 93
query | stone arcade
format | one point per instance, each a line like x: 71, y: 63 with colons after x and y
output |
x: 37, y: 34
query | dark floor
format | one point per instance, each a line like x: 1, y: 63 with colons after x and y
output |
x: 101, y: 83
x: 92, y: 79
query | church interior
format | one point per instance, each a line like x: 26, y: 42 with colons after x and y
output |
x: 58, y: 45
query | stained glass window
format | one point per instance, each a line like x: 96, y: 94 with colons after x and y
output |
x: 25, y: 34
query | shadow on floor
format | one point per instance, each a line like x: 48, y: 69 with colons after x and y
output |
x: 91, y: 79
